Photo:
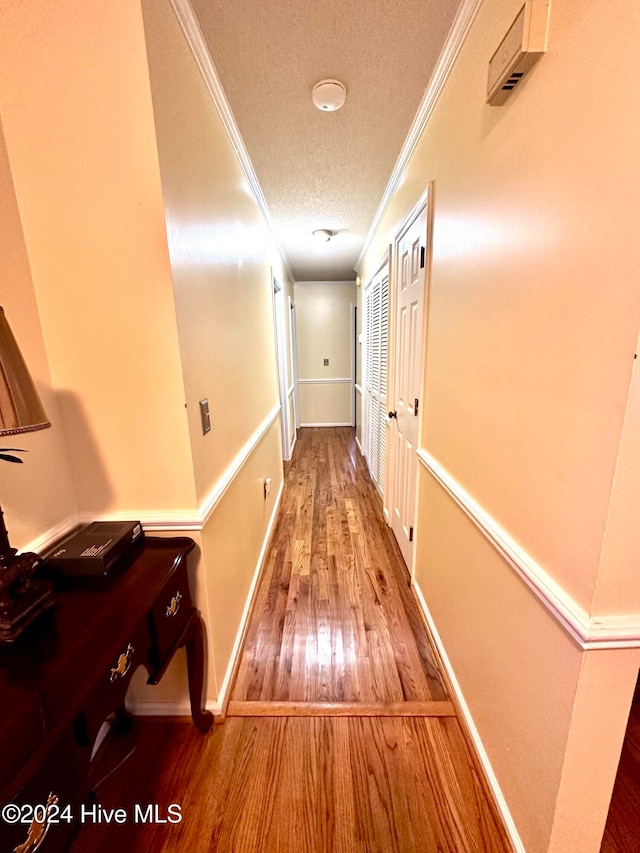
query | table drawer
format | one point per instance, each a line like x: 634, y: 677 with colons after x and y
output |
x: 55, y: 790
x: 109, y: 691
x: 169, y: 615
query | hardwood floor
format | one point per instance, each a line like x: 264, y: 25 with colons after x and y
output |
x: 333, y: 619
x: 291, y: 785
x: 622, y: 832
x: 340, y: 734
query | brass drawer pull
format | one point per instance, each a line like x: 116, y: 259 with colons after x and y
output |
x: 38, y: 828
x: 123, y: 665
x: 173, y: 608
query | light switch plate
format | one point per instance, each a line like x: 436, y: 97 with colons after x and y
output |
x: 204, y: 416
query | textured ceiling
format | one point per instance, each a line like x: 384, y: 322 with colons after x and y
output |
x: 317, y: 169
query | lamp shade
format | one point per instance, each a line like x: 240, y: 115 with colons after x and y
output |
x: 20, y: 406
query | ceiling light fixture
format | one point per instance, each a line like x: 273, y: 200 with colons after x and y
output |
x: 329, y: 95
x: 322, y: 236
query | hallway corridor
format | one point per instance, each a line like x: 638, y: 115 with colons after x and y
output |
x: 334, y: 620
x: 339, y: 735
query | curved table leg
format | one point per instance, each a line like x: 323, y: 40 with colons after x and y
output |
x: 194, y: 642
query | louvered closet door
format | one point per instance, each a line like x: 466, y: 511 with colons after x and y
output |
x: 377, y: 324
x: 382, y: 394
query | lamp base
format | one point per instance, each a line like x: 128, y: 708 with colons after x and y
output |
x: 22, y: 596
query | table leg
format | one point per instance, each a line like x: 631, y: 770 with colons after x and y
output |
x: 202, y: 719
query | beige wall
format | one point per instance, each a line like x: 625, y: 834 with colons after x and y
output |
x: 139, y: 315
x: 27, y: 488
x: 221, y: 256
x: 533, y: 317
x: 222, y: 260
x: 76, y: 107
x: 323, y: 315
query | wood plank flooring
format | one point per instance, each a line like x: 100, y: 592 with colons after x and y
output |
x: 340, y: 736
x: 334, y: 620
x: 622, y: 832
x: 291, y: 785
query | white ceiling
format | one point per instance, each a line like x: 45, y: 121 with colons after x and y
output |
x: 318, y: 169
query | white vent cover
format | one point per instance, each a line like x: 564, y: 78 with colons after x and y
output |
x: 518, y: 51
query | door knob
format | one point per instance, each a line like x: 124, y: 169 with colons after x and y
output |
x: 393, y: 414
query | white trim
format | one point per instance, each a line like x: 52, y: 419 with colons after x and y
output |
x: 455, y: 39
x: 353, y: 307
x: 323, y: 381
x: 358, y: 388
x: 193, y: 34
x: 247, y: 607
x: 280, y: 347
x: 343, y: 423
x: 590, y: 632
x: 182, y: 707
x: 305, y: 283
x: 175, y: 708
x: 359, y: 446
x: 473, y: 731
x: 216, y: 494
x: 44, y: 542
x: 290, y: 390
x: 293, y: 443
x: 155, y: 521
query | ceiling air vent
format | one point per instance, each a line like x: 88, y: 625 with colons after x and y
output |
x: 519, y: 50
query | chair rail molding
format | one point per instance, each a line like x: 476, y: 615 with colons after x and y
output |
x: 327, y: 381
x: 155, y: 521
x: 590, y: 632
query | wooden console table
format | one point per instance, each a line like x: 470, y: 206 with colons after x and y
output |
x: 71, y: 670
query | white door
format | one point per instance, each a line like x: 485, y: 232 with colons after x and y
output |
x: 409, y: 288
x: 281, y: 363
x: 375, y: 379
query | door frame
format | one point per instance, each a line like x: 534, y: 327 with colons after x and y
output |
x: 385, y: 261
x: 425, y: 201
x: 280, y: 340
x: 292, y: 390
x: 293, y: 334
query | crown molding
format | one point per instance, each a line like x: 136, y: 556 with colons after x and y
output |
x: 616, y: 631
x: 195, y: 39
x: 457, y: 34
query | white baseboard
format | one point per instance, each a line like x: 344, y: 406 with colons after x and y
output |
x: 508, y: 821
x: 226, y: 681
x: 328, y: 424
x: 359, y: 446
x: 181, y: 707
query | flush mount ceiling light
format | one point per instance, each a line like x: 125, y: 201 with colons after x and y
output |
x: 322, y: 236
x: 329, y: 95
